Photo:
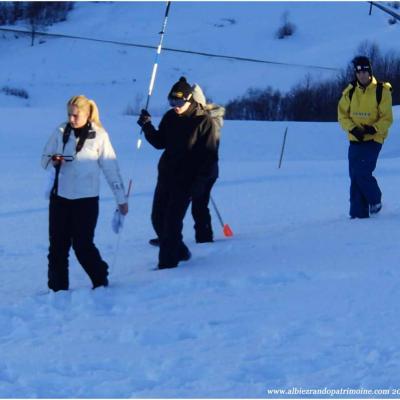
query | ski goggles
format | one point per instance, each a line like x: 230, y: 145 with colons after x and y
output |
x: 175, y: 102
x: 360, y: 68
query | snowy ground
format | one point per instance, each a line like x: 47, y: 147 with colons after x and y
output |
x: 300, y: 296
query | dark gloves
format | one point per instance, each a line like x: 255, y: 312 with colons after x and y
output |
x: 358, y: 133
x: 369, y: 130
x: 144, y: 118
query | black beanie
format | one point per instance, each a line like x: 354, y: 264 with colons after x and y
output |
x: 362, y: 63
x: 180, y: 90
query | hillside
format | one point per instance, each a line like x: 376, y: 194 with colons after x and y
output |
x: 300, y: 297
x: 58, y: 68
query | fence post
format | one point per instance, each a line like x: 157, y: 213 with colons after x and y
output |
x: 283, y: 147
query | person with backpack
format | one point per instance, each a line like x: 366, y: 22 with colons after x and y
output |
x: 78, y: 150
x: 187, y: 135
x: 201, y: 190
x: 365, y: 113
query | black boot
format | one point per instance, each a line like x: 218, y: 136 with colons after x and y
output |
x: 104, y: 283
x: 167, y: 266
x: 204, y: 234
x: 185, y: 254
x: 155, y: 242
x: 205, y: 240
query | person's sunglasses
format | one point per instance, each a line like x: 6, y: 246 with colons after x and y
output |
x: 360, y: 68
x: 175, y: 102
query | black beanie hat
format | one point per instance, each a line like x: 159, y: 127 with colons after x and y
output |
x: 362, y: 63
x: 180, y: 90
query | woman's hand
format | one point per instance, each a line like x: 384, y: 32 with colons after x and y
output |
x: 123, y: 208
x: 57, y: 159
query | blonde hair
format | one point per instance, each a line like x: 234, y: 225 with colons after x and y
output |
x: 87, y: 105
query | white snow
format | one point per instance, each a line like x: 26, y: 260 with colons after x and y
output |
x: 118, y: 76
x: 301, y: 296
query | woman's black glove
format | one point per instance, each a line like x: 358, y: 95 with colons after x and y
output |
x: 144, y: 118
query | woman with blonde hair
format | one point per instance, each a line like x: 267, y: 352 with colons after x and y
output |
x: 78, y: 150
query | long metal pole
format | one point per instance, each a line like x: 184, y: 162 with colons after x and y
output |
x: 216, y: 211
x: 155, y: 66
x: 385, y: 9
x: 283, y: 147
x: 225, y: 227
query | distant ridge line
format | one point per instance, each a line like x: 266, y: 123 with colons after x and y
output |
x: 145, y: 46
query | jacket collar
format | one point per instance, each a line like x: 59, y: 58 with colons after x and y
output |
x: 373, y: 82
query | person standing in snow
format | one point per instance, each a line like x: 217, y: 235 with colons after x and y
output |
x: 204, y: 184
x: 365, y: 113
x: 78, y: 151
x: 187, y: 135
x: 202, y: 189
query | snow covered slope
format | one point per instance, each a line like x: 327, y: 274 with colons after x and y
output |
x: 301, y: 296
x: 328, y: 34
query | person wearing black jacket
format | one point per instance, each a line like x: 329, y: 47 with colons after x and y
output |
x: 187, y: 135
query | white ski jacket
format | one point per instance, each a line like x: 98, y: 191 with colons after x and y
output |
x: 80, y: 178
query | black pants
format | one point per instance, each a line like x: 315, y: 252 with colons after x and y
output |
x: 170, y: 204
x: 72, y: 223
x: 201, y: 214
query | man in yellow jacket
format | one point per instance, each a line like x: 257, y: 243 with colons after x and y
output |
x: 365, y: 113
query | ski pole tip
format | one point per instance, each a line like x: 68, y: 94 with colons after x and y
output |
x: 139, y: 143
x: 227, y: 231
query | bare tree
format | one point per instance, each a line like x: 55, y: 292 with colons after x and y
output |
x: 287, y: 28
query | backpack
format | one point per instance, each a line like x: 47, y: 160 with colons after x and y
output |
x: 379, y: 89
x: 215, y: 111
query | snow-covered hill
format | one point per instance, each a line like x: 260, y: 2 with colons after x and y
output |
x: 300, y: 297
x: 328, y: 34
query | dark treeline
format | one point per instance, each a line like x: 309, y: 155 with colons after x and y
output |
x: 313, y: 101
x: 42, y: 13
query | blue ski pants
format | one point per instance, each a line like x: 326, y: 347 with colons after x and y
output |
x: 364, y: 189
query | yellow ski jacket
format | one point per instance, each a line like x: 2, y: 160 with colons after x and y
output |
x: 363, y: 109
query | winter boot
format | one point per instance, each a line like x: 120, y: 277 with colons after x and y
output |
x: 185, y: 254
x: 204, y: 234
x: 375, y: 208
x: 167, y: 266
x: 155, y: 242
x: 100, y: 284
x: 204, y: 240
